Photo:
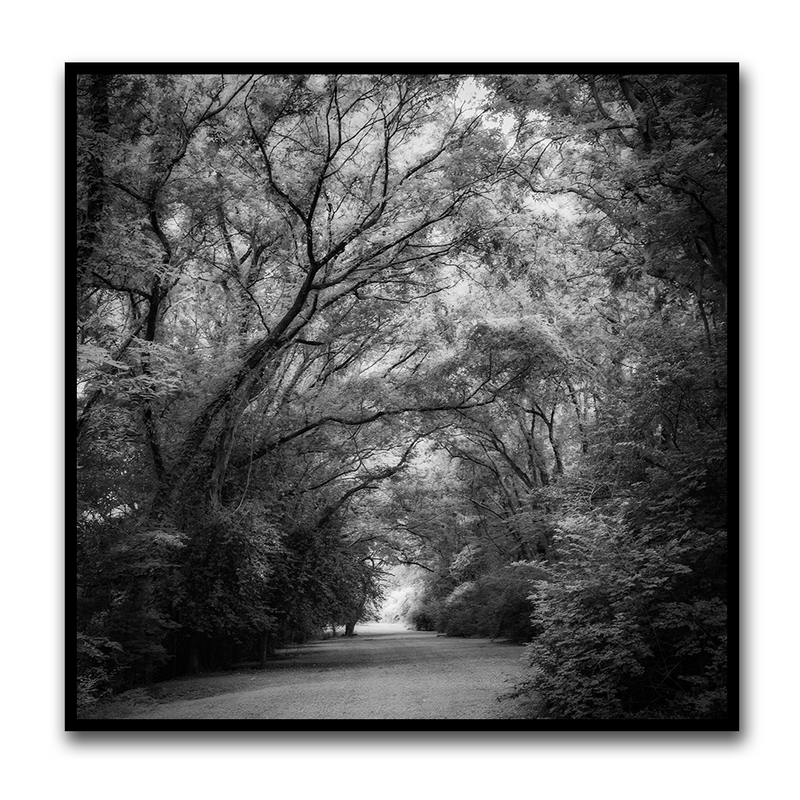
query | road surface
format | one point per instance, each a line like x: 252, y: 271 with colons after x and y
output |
x: 385, y: 672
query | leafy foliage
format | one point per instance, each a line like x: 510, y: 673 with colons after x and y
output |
x: 97, y: 668
x: 624, y: 629
x: 496, y: 604
x: 467, y: 330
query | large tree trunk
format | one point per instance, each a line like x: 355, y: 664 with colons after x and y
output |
x: 642, y: 109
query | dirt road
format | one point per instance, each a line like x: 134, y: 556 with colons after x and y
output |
x: 385, y: 672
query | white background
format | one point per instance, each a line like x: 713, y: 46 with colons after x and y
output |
x: 41, y: 760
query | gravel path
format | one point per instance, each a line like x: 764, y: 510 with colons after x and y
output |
x: 385, y: 672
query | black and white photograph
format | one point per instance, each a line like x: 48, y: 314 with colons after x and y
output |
x: 402, y: 395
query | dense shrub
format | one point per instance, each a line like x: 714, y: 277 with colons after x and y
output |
x: 624, y: 629
x: 98, y: 666
x: 126, y: 579
x: 496, y: 604
x: 231, y: 587
x: 223, y: 600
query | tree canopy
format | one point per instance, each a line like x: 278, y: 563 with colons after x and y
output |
x: 462, y: 338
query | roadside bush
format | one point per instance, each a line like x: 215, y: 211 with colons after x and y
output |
x: 510, y: 600
x: 223, y: 599
x: 423, y: 614
x: 624, y: 631
x: 497, y: 604
x: 126, y: 580
x: 459, y: 613
x: 98, y: 665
